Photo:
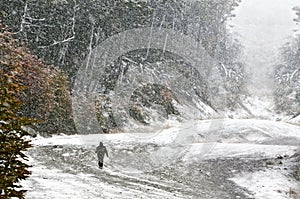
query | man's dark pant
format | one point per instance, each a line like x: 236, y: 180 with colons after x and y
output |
x: 100, y: 164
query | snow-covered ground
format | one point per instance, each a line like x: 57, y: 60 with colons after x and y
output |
x: 225, y: 158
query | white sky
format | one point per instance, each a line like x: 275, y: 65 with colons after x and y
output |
x: 263, y: 27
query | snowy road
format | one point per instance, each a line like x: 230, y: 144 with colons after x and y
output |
x: 198, y: 159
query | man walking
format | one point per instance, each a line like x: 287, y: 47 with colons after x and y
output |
x: 101, y: 151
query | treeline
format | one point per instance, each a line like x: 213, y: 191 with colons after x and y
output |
x: 63, y: 33
x: 287, y: 75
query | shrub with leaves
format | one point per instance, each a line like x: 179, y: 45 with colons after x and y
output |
x: 13, y: 143
x: 46, y: 94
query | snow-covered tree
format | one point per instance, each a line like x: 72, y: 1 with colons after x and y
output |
x: 287, y: 94
x: 287, y: 75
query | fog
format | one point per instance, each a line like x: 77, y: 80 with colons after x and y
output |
x: 263, y: 26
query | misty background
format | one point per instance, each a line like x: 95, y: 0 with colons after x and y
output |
x: 263, y: 27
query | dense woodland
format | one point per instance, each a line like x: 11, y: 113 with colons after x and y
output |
x: 63, y: 33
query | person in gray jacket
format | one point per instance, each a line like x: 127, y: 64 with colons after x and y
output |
x: 101, y: 152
